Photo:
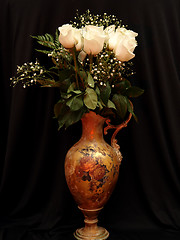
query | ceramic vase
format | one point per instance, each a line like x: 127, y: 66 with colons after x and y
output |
x: 91, y: 170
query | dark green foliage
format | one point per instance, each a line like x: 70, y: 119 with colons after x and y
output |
x: 100, y: 83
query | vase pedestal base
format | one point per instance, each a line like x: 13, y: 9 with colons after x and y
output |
x: 100, y: 234
x: 91, y: 231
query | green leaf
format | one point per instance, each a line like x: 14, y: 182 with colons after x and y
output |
x: 90, y: 99
x: 63, y: 74
x: 47, y: 44
x: 65, y: 95
x: 56, y: 41
x: 134, y: 92
x: 59, y: 109
x: 61, y: 124
x: 73, y: 117
x: 83, y: 74
x: 121, y: 104
x: 43, y: 51
x: 107, y: 112
x: 122, y: 86
x: 75, y: 103
x: 48, y: 83
x: 90, y: 80
x: 66, y: 116
x: 77, y: 91
x: 61, y: 113
x: 110, y: 104
x: 71, y: 87
x: 46, y: 40
x: 100, y: 105
x: 49, y: 37
x: 130, y: 109
x: 64, y: 85
x: 105, y: 93
x: 39, y: 37
x: 97, y: 91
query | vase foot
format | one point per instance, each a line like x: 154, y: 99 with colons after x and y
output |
x: 99, y: 234
x: 91, y: 231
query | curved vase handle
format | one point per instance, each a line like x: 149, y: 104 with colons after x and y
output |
x: 117, y: 128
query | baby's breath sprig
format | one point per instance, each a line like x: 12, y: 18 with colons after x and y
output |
x: 127, y: 69
x: 106, y: 67
x: 97, y: 20
x: 31, y: 73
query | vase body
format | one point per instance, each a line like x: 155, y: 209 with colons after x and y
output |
x: 91, y: 170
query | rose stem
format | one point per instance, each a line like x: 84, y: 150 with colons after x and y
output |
x: 75, y: 64
x: 91, y: 62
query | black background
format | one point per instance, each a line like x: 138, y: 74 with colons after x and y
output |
x: 35, y: 202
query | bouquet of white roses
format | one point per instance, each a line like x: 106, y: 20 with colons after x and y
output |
x: 91, y: 67
x: 91, y: 40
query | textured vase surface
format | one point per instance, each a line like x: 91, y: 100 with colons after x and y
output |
x: 91, y: 169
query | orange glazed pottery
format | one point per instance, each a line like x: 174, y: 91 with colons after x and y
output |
x: 91, y: 169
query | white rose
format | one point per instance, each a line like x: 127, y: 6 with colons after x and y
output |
x: 124, y: 31
x: 123, y: 43
x: 124, y: 49
x: 94, y: 38
x: 109, y: 31
x: 70, y: 37
x: 114, y: 38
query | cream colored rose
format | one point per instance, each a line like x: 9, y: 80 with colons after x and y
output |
x: 109, y: 31
x: 70, y: 37
x: 94, y: 38
x: 123, y: 43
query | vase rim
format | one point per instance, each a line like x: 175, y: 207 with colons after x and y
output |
x: 92, y: 113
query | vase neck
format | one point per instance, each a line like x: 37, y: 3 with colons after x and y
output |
x: 92, y: 126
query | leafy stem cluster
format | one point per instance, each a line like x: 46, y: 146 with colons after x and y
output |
x: 99, y: 83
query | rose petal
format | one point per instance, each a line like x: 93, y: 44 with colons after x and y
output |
x: 92, y: 46
x: 123, y: 54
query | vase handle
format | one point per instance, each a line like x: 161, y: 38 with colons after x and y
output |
x: 117, y: 128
